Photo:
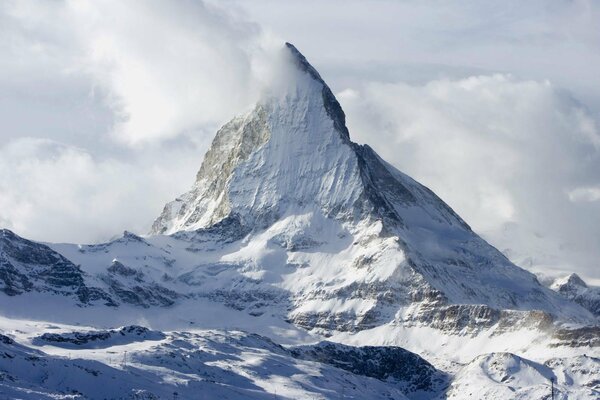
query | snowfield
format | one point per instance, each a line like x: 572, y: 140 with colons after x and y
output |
x: 49, y: 360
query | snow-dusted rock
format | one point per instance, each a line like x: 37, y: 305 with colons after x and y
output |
x: 98, y: 339
x: 574, y: 288
x: 27, y: 266
x: 417, y: 377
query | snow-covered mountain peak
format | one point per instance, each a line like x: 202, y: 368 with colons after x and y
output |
x: 291, y: 155
x: 574, y: 288
x: 571, y: 280
x: 291, y: 151
x: 287, y: 179
x: 332, y: 106
x: 292, y: 231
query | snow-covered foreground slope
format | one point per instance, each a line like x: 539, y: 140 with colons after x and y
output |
x: 41, y: 360
x: 507, y: 376
x: 293, y: 232
x: 183, y: 365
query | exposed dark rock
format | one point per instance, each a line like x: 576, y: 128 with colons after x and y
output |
x: 578, y: 337
x: 142, y: 294
x: 386, y: 363
x: 120, y: 269
x: 30, y: 266
x: 575, y: 289
x: 99, y: 339
x: 5, y: 339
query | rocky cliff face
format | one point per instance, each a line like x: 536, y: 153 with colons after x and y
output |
x: 27, y: 266
x: 574, y: 288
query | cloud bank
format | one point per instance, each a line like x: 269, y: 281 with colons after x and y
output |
x: 162, y: 69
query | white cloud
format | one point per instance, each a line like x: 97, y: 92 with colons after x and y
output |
x: 165, y: 69
x: 499, y: 150
x: 52, y: 191
x: 585, y: 194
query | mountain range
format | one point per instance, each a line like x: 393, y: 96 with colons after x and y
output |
x: 299, y: 265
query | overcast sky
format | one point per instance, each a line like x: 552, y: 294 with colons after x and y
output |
x: 107, y: 107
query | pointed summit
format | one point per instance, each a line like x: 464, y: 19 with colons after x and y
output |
x: 332, y: 106
x: 279, y: 155
x: 292, y: 153
x: 302, y: 63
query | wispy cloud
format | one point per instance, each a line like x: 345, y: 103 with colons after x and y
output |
x: 107, y: 107
x: 588, y: 194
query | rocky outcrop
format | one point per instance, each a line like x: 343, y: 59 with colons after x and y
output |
x: 131, y: 286
x: 574, y: 288
x: 99, y: 339
x: 587, y: 336
x: 29, y: 266
x: 208, y: 202
x: 386, y: 363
